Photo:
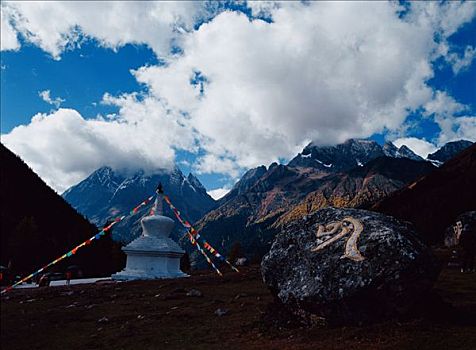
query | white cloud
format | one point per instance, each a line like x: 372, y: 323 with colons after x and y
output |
x: 8, y: 35
x: 54, y: 26
x: 46, y: 96
x: 443, y: 105
x: 459, y: 63
x: 218, y: 192
x: 265, y: 90
x: 305, y: 76
x: 447, y: 113
x: 263, y: 8
x: 456, y: 128
x: 63, y: 147
x: 421, y: 147
x: 211, y: 163
x: 445, y: 18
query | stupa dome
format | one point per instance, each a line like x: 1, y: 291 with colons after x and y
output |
x: 157, y: 225
x: 153, y: 255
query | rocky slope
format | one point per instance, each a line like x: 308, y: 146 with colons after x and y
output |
x: 246, y: 217
x: 107, y: 193
x: 338, y: 158
x: 247, y: 181
x: 360, y: 187
x: 286, y: 193
x: 390, y: 150
x: 448, y: 151
x: 357, y: 173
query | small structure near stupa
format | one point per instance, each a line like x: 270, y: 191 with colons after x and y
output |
x: 153, y: 255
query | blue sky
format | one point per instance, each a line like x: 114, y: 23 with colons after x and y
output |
x: 81, y: 78
x: 274, y: 76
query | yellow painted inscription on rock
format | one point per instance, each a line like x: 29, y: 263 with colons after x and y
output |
x: 347, y: 225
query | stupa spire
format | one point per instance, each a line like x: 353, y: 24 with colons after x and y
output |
x: 157, y: 208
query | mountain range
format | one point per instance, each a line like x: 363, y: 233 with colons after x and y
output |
x: 37, y: 224
x: 356, y: 173
x: 448, y: 151
x: 348, y: 155
x: 107, y: 193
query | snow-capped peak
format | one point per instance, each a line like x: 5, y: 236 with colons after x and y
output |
x: 195, y: 183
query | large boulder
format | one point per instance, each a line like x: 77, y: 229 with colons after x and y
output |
x: 348, y: 266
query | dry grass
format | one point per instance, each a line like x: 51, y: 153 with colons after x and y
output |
x: 159, y: 314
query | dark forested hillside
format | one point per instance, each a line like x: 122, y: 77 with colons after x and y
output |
x: 433, y: 202
x: 37, y: 225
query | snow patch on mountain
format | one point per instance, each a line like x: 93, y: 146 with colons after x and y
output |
x: 320, y: 162
x: 106, y: 193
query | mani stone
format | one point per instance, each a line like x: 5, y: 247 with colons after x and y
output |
x: 153, y: 255
x: 463, y: 232
x: 348, y: 266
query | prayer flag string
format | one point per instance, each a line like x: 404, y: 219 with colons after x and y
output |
x: 75, y: 249
x: 194, y: 235
x: 199, y: 248
x: 195, y: 238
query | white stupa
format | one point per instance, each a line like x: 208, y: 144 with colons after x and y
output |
x: 153, y: 255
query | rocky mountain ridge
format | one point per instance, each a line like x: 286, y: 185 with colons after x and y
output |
x: 341, y: 157
x: 448, y: 151
x: 263, y: 201
x: 390, y: 150
x: 357, y: 173
x: 284, y: 194
x: 107, y: 193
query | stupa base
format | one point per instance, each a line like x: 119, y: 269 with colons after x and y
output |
x: 153, y: 255
x: 131, y: 275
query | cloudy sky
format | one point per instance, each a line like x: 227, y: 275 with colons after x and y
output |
x: 218, y: 88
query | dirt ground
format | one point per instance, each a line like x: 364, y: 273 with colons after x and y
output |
x: 160, y: 315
